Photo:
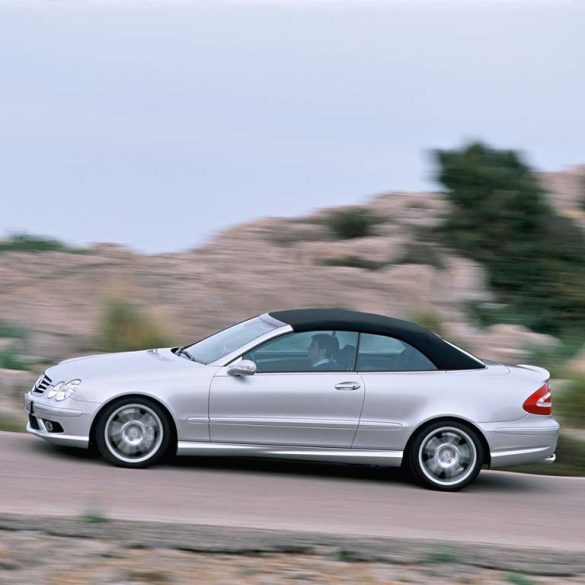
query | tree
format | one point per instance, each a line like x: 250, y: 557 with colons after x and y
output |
x: 501, y: 217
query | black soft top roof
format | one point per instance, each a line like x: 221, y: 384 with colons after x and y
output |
x: 441, y: 353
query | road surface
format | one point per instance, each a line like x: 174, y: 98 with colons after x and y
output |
x: 499, y: 508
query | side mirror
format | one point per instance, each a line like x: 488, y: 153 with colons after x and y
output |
x: 242, y: 368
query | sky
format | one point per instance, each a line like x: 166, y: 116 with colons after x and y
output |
x: 158, y: 123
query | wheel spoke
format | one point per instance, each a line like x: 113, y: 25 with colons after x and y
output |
x: 431, y: 445
x: 150, y: 435
x: 147, y: 420
x: 464, y: 453
x: 453, y: 471
x: 115, y: 429
x: 124, y: 415
x: 433, y: 466
x: 119, y: 442
x: 452, y: 438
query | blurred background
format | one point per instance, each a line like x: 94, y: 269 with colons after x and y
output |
x: 169, y: 168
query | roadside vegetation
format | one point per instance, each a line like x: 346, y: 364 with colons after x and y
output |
x: 555, y: 358
x: 94, y: 516
x: 443, y: 556
x: 11, y: 331
x: 570, y: 403
x: 10, y: 359
x: 31, y: 243
x: 10, y: 355
x: 519, y: 579
x: 356, y: 222
x: 12, y: 423
x: 581, y: 197
x: 429, y: 319
x: 421, y: 252
x: 354, y: 262
x: 534, y: 257
x: 127, y: 327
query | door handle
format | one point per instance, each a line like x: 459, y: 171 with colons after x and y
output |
x: 348, y: 386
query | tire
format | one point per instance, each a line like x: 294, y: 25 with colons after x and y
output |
x: 446, y: 456
x: 133, y: 432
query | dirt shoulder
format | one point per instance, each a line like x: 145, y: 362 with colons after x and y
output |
x: 87, y: 550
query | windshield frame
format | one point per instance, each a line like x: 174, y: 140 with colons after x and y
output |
x: 279, y: 328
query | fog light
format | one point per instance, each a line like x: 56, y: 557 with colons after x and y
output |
x: 52, y: 426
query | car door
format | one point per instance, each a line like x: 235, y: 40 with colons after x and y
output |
x: 291, y: 400
x: 399, y: 382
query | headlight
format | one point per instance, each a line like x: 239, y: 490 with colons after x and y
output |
x: 63, y: 390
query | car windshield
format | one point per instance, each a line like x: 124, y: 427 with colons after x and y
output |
x: 216, y: 346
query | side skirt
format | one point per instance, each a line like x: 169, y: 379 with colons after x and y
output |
x: 369, y: 457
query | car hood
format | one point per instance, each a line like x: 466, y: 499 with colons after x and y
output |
x: 117, y: 365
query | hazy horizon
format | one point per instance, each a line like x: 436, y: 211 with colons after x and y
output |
x: 156, y: 125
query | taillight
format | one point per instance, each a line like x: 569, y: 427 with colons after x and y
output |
x: 540, y: 402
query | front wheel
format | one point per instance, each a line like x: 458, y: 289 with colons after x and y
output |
x: 133, y: 432
x: 446, y: 456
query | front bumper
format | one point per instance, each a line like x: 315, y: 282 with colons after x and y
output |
x: 58, y: 438
x: 67, y: 425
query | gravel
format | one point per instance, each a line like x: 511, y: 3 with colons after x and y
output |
x: 65, y: 551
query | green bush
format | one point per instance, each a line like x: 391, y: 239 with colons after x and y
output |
x: 421, y: 253
x: 11, y: 360
x: 500, y: 217
x: 126, y: 327
x: 518, y: 579
x: 570, y: 402
x: 12, y: 423
x: 428, y: 319
x: 581, y: 196
x: 555, y: 358
x: 30, y: 243
x: 11, y: 331
x: 352, y: 223
x: 10, y: 357
x: 443, y: 556
x: 570, y: 456
x: 354, y: 262
x: 485, y: 314
x: 94, y: 516
x: 569, y: 340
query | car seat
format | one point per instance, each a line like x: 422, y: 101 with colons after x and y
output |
x: 344, y: 358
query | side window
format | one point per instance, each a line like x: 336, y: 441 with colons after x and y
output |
x: 378, y: 353
x: 310, y: 351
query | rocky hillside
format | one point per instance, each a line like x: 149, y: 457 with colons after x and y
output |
x: 399, y: 268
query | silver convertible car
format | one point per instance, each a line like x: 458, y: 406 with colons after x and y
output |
x: 310, y: 384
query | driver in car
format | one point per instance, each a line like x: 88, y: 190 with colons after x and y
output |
x: 321, y: 351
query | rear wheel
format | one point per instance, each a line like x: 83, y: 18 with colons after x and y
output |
x: 446, y: 456
x: 133, y: 432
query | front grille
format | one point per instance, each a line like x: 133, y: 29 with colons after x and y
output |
x: 42, y: 384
